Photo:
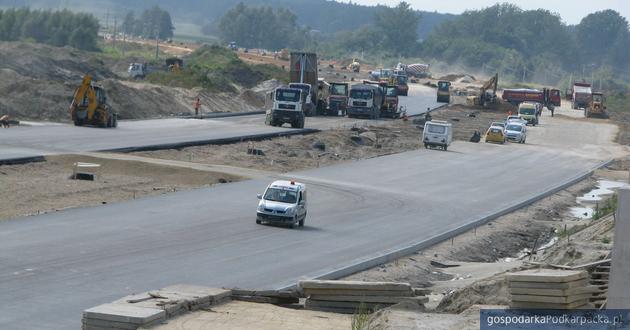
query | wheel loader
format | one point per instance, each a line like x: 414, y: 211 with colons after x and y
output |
x: 89, y: 106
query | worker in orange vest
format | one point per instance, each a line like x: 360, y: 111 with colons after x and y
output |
x: 197, y: 106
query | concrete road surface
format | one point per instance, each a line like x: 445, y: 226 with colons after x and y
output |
x: 56, y: 265
x: 45, y: 139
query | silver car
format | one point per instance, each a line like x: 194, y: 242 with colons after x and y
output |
x: 516, y: 132
x: 284, y: 202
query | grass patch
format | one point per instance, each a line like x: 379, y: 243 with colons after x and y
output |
x: 131, y: 49
x: 218, y: 69
x: 361, y: 318
x: 571, y: 231
x: 607, y: 207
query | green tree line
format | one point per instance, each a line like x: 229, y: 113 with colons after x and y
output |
x: 58, y: 28
x: 263, y: 27
x: 531, y: 44
x: 152, y: 23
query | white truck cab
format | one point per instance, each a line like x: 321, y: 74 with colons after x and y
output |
x: 437, y: 133
x: 284, y: 202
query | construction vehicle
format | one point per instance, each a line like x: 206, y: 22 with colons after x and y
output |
x: 487, y: 93
x: 89, y: 106
x: 444, y: 91
x: 137, y: 70
x: 596, y: 107
x: 355, y: 66
x: 284, y: 105
x: 365, y: 100
x: 582, y: 95
x: 323, y: 93
x: 303, y: 75
x: 174, y: 64
x: 232, y: 45
x: 548, y: 97
x: 417, y: 70
x: 337, y: 99
x: 389, y: 108
x: 400, y: 80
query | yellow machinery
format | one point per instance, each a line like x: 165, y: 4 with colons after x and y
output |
x: 487, y: 93
x: 355, y: 66
x: 89, y: 106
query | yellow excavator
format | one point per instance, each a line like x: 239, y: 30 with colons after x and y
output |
x: 89, y: 106
x: 487, y: 93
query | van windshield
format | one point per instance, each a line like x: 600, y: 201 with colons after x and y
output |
x: 287, y: 95
x: 280, y: 195
x: 527, y: 111
x: 437, y: 129
x: 361, y: 94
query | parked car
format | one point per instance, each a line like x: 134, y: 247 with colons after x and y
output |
x: 516, y: 132
x: 437, y: 133
x: 284, y: 202
x: 495, y: 134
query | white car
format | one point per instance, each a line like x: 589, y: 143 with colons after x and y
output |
x: 517, y: 119
x: 516, y: 132
x: 284, y: 202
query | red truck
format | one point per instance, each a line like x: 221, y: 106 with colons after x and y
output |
x: 550, y: 98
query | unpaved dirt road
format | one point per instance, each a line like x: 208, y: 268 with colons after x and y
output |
x: 43, y: 187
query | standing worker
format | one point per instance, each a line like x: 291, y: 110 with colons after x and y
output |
x: 197, y: 106
x: 4, y: 121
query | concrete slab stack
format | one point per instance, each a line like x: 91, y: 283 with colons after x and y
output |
x: 550, y: 289
x: 349, y: 296
x: 153, y: 307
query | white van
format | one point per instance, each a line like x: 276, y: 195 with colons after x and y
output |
x: 284, y: 202
x: 437, y: 133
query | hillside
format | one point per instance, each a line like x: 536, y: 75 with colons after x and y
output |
x: 322, y: 15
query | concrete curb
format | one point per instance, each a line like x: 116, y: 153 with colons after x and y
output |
x: 398, y: 252
x: 22, y: 160
x: 220, y: 141
x: 222, y: 115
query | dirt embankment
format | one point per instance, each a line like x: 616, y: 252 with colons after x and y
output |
x: 301, y: 152
x: 47, y: 186
x: 38, y: 81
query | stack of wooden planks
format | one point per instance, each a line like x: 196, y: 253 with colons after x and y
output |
x: 350, y: 296
x: 550, y: 289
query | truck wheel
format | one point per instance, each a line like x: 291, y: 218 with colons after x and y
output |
x: 445, y: 147
x: 301, y: 224
x: 258, y: 222
x: 78, y: 122
x: 115, y: 121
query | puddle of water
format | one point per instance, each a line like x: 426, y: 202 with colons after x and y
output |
x: 587, y: 202
x: 604, y: 187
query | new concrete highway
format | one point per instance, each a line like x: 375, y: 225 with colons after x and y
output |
x: 54, y: 266
x: 45, y: 139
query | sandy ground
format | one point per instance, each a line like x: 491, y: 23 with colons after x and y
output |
x: 42, y: 187
x: 245, y: 315
x: 302, y: 152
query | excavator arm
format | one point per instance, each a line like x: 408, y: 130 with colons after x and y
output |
x: 85, y: 92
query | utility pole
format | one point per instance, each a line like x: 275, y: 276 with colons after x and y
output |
x: 115, y: 27
x: 524, y: 73
x: 157, y: 45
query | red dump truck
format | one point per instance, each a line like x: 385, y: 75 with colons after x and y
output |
x: 548, y: 97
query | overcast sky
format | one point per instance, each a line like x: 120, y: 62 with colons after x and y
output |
x: 572, y: 11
